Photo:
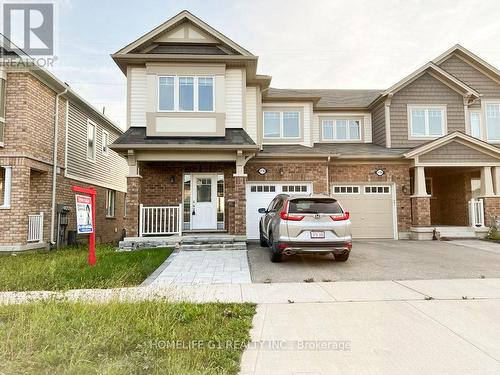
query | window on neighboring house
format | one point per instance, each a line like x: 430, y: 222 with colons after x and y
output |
x: 2, y: 110
x: 5, y: 186
x: 125, y: 205
x: 110, y: 203
x: 105, y: 142
x: 493, y: 121
x: 186, y: 93
x: 90, y: 140
x: 427, y: 122
x: 475, y: 124
x: 341, y: 130
x: 284, y: 125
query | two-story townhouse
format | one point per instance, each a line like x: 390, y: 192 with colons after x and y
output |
x: 208, y: 138
x: 50, y: 140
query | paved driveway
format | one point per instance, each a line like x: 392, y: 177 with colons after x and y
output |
x: 384, y: 260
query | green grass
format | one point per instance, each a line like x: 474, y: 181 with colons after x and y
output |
x: 68, y: 269
x: 121, y: 338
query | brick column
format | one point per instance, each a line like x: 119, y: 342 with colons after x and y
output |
x: 132, y: 202
x: 421, y: 211
x: 491, y: 208
x: 239, y: 219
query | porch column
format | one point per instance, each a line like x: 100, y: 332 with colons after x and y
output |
x: 496, y: 180
x: 486, y: 182
x: 419, y: 189
x: 133, y: 196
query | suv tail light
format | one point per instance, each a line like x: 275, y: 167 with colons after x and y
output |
x: 340, y: 217
x: 284, y: 215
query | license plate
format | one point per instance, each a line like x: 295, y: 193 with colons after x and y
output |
x: 317, y: 234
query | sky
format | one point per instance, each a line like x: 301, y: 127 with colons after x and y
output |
x: 368, y: 44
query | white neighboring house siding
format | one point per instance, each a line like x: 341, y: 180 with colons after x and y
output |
x: 306, y: 125
x: 252, y: 112
x: 235, y: 101
x: 109, y: 170
x: 367, y: 124
x: 138, y: 96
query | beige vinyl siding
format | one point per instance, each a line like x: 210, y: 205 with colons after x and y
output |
x: 378, y: 124
x: 251, y: 112
x: 455, y: 152
x: 367, y: 127
x: 108, y: 171
x: 424, y: 90
x: 308, y: 120
x: 138, y: 96
x: 234, y: 98
x: 471, y: 76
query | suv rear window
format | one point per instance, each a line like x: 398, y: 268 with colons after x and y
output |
x: 314, y: 206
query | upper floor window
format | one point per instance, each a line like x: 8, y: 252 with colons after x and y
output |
x: 90, y: 140
x: 341, y: 130
x: 185, y: 93
x: 427, y: 121
x: 2, y: 110
x: 475, y: 124
x: 493, y: 121
x: 282, y: 125
x: 105, y: 142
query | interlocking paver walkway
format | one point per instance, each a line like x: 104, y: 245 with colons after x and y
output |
x: 206, y: 267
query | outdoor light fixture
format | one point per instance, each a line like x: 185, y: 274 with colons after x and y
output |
x: 172, y: 179
x: 404, y: 189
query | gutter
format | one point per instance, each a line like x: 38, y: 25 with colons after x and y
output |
x: 54, y: 168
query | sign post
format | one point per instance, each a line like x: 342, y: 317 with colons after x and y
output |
x: 85, y: 217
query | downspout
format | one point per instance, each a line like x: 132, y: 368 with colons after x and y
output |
x: 54, y: 169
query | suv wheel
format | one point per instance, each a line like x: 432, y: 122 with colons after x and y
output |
x: 263, y: 241
x: 276, y: 255
x: 341, y: 257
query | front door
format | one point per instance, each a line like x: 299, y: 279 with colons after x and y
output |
x: 204, y: 202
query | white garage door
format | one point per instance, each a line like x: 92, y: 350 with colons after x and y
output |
x: 259, y: 195
x: 371, y: 208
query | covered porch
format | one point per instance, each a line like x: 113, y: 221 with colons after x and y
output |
x: 455, y: 189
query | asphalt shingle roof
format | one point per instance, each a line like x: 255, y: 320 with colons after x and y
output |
x: 343, y: 149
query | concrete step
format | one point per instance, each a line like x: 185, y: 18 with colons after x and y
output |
x: 214, y: 246
x: 456, y: 232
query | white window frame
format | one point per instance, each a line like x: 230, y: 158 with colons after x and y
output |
x: 377, y: 192
x: 281, y: 136
x: 94, y: 125
x: 176, y: 93
x: 7, y: 187
x: 348, y: 130
x: 345, y: 187
x: 485, y: 103
x: 476, y: 112
x: 105, y: 143
x: 426, y: 107
x: 110, y: 203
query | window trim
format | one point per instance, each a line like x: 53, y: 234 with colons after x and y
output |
x: 339, y: 118
x: 105, y: 152
x: 358, y: 187
x: 7, y: 187
x: 479, y: 112
x: 484, y: 123
x: 444, y: 129
x: 377, y: 186
x: 176, y: 93
x: 281, y: 113
x: 91, y: 123
x: 112, y: 193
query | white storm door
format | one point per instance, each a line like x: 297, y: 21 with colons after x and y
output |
x: 204, y: 202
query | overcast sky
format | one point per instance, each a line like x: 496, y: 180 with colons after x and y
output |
x: 301, y: 44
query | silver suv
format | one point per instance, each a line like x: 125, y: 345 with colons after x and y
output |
x: 305, y: 224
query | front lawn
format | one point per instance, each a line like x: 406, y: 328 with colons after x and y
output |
x: 68, y: 269
x: 123, y: 338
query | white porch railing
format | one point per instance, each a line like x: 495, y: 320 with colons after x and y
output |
x: 476, y: 213
x: 161, y: 220
x: 35, y: 228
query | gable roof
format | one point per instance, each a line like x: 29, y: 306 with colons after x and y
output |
x: 325, y: 98
x: 457, y: 49
x: 452, y: 137
x: 175, y: 21
x: 441, y: 74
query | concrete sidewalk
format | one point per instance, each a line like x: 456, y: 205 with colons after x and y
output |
x: 349, y: 291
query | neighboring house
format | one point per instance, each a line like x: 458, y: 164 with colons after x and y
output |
x: 30, y: 98
x: 208, y: 136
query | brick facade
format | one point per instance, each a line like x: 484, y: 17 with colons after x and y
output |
x: 491, y: 208
x: 421, y: 211
x: 29, y: 141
